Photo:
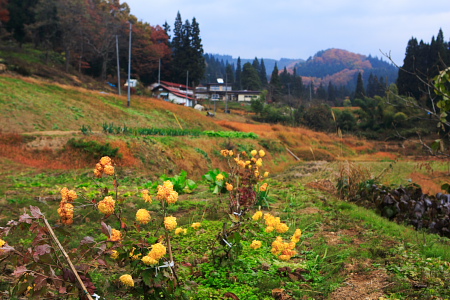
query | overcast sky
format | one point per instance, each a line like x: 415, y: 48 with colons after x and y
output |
x: 299, y: 28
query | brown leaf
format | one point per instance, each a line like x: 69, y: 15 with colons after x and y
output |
x: 40, y: 282
x: 106, y: 229
x: 25, y: 218
x: 20, y: 270
x: 36, y: 212
x: 231, y: 295
x: 43, y: 249
x: 87, y: 240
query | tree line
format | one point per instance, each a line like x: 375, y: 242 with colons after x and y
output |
x: 90, y: 35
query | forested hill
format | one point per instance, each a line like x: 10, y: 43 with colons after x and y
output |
x: 269, y: 62
x: 341, y: 67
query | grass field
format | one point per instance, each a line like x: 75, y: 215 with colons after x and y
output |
x: 345, y: 252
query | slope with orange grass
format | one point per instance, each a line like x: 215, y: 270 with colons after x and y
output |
x: 29, y: 105
x: 306, y: 143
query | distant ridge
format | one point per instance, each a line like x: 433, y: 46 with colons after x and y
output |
x: 338, y: 66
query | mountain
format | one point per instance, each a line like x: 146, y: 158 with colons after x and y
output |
x: 269, y: 63
x: 341, y: 67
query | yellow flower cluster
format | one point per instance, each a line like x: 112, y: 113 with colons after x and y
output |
x: 114, y: 254
x: 104, y: 166
x: 143, y: 216
x: 256, y: 244
x: 166, y: 192
x: 180, y: 230
x: 219, y: 177
x: 157, y: 252
x: 65, y: 210
x: 146, y: 196
x: 283, y: 250
x: 263, y: 187
x: 274, y: 223
x: 257, y: 216
x: 2, y: 243
x: 196, y: 225
x: 226, y: 153
x: 107, y: 205
x: 170, y: 223
x: 116, y: 235
x: 297, y: 236
x: 127, y: 280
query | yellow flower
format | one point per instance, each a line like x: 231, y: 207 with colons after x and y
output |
x: 225, y: 153
x: 180, y: 230
x: 257, y: 215
x: 170, y: 223
x: 230, y: 153
x: 172, y: 197
x: 259, y: 162
x: 114, y: 254
x: 284, y: 257
x: 2, y: 242
x: 107, y: 205
x: 269, y: 229
x: 105, y: 160
x: 64, y: 194
x: 219, y: 177
x: 116, y: 235
x: 266, y: 174
x: 229, y: 187
x: 263, y: 187
x: 158, y: 251
x: 143, y: 216
x: 297, y: 235
x: 72, y: 196
x: 196, y: 225
x: 282, y: 228
x: 262, y: 153
x: 148, y: 260
x: 127, y: 280
x: 65, y: 211
x: 256, y: 244
x: 109, y: 170
x: 146, y: 196
x: 254, y: 153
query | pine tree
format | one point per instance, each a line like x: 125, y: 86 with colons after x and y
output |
x: 360, y: 92
x: 275, y: 84
x: 263, y: 74
x: 238, y: 77
x: 250, y: 78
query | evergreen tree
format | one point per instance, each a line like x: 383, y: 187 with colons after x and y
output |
x: 187, y: 52
x: 229, y: 74
x: 250, y: 78
x: 197, y: 62
x: 238, y: 77
x: 263, y: 74
x: 21, y: 14
x: 321, y: 92
x: 331, y: 94
x: 360, y: 91
x: 275, y: 84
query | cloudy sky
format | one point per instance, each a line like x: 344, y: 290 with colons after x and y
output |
x: 299, y: 28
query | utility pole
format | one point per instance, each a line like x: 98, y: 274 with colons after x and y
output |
x: 226, y: 92
x: 129, y: 68
x: 187, y: 86
x: 118, y: 66
x: 159, y: 72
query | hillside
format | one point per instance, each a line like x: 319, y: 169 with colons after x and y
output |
x: 341, y: 67
x: 345, y: 252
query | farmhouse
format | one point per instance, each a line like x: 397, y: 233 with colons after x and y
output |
x: 221, y: 91
x: 174, y: 92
